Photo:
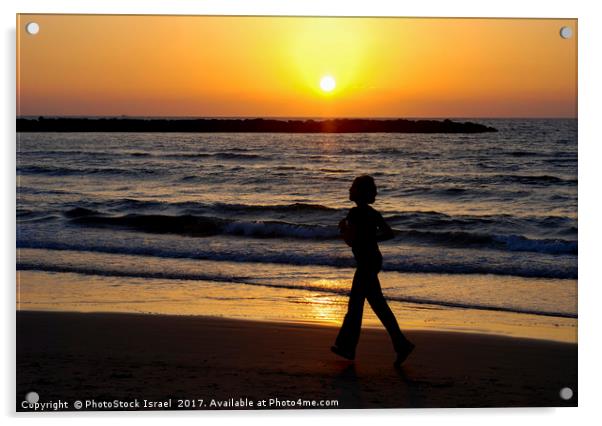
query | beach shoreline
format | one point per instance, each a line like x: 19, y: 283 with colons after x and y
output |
x: 106, y: 356
x: 302, y: 302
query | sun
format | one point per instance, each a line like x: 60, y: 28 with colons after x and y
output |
x: 328, y: 83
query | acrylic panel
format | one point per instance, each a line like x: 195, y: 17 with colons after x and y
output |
x: 222, y: 212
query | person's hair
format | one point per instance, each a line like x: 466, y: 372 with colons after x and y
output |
x: 363, y: 190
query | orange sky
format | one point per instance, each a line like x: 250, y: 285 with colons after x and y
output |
x: 266, y: 66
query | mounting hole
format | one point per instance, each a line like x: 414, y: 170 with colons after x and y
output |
x: 566, y: 393
x: 32, y: 397
x: 566, y: 32
x: 32, y: 28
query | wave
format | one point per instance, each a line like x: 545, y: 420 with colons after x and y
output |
x: 205, y: 226
x: 30, y: 216
x: 72, y: 171
x: 231, y: 154
x: 294, y: 207
x: 24, y: 266
x: 523, y: 153
x: 450, y: 192
x: 275, y: 229
x: 219, y: 155
x: 333, y: 170
x: 434, y: 220
x: 549, y: 246
x: 409, y: 219
x: 201, y: 226
x: 399, y: 264
x: 130, y: 204
x: 24, y: 213
x: 532, y: 179
x: 500, y: 242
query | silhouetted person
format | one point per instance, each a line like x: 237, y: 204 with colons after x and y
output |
x: 362, y: 229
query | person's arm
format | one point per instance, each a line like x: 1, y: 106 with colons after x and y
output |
x: 384, y: 230
x: 348, y: 230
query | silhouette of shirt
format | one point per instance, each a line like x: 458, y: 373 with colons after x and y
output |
x: 366, y: 223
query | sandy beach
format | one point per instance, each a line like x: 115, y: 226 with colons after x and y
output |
x: 233, y: 363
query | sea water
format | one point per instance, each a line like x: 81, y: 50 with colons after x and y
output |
x: 245, y: 224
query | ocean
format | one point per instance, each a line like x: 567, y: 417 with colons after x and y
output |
x: 245, y: 225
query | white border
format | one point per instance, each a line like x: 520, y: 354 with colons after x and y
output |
x: 589, y: 155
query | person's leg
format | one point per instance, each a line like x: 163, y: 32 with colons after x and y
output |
x: 349, y: 333
x: 382, y: 310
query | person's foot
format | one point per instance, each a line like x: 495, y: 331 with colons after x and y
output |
x: 340, y: 352
x: 403, y: 354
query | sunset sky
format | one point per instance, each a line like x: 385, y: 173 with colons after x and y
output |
x: 268, y: 66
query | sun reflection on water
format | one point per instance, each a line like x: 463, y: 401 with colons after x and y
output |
x: 326, y: 308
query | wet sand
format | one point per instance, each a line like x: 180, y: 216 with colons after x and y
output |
x: 232, y: 363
